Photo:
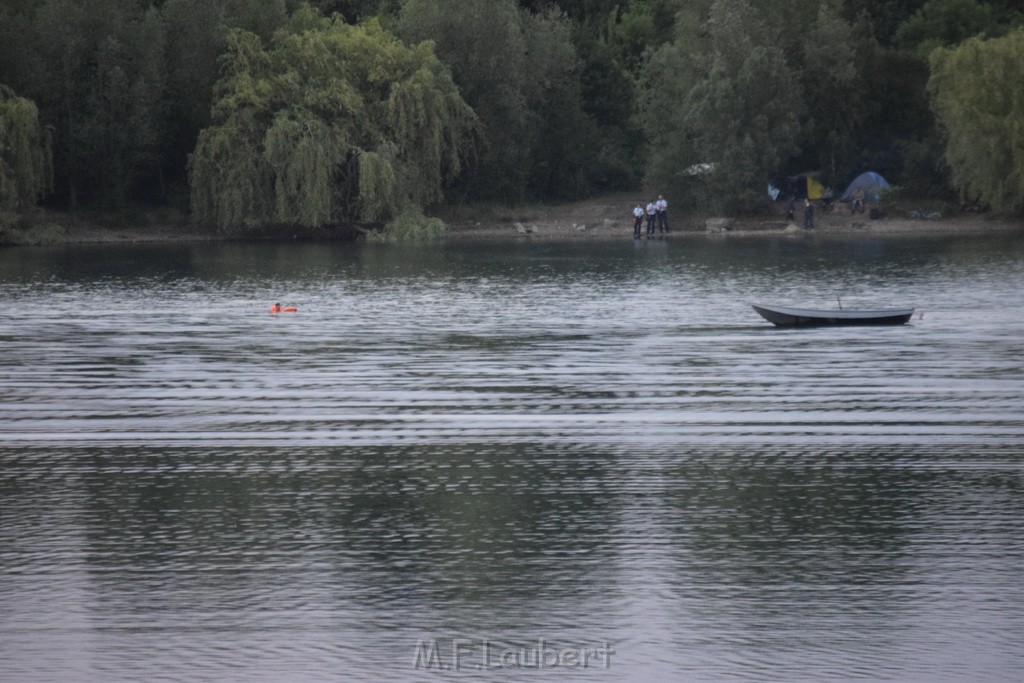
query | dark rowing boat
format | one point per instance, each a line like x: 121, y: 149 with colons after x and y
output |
x: 785, y: 316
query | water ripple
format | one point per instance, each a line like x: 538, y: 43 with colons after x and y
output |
x: 543, y: 446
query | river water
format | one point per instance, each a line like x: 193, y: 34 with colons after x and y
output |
x: 548, y: 461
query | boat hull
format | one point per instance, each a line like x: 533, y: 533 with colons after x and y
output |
x: 785, y: 316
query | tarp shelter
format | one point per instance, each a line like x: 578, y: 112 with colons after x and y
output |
x: 698, y: 169
x: 815, y: 190
x: 798, y: 187
x: 870, y: 182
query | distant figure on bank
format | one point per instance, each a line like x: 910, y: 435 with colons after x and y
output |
x: 652, y: 216
x: 858, y: 201
x: 791, y: 209
x: 638, y: 221
x: 808, y: 214
x: 662, y: 206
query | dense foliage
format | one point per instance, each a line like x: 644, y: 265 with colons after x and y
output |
x: 332, y: 123
x: 723, y: 115
x: 980, y: 103
x: 572, y: 97
x: 25, y: 166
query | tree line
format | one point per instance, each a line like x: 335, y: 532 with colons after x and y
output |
x: 323, y: 112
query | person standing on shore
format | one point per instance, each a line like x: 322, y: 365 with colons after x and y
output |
x: 808, y: 214
x: 638, y: 221
x: 858, y: 201
x: 652, y: 214
x: 662, y: 206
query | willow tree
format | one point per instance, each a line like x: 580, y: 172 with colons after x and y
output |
x: 978, y: 95
x: 26, y: 171
x: 330, y: 123
x: 485, y: 46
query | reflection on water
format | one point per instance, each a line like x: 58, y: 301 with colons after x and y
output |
x: 520, y: 456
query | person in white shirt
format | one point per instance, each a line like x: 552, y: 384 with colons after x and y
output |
x: 638, y: 221
x: 662, y: 207
x: 652, y: 215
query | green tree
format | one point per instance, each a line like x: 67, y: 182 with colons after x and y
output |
x: 26, y: 171
x: 944, y: 23
x: 885, y: 16
x: 122, y: 127
x: 615, y: 47
x: 125, y: 85
x: 95, y: 72
x: 355, y: 11
x: 977, y: 92
x: 561, y: 161
x: 261, y: 17
x: 331, y: 123
x: 831, y: 92
x: 521, y: 73
x: 196, y: 33
x: 608, y: 90
x: 893, y: 118
x: 635, y: 29
x: 58, y: 83
x: 484, y: 45
x: 729, y: 108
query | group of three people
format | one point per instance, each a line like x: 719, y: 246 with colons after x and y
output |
x: 657, y: 216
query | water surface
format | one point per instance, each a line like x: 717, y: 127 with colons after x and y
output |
x: 582, y: 461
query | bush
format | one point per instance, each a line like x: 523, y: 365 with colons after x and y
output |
x: 410, y: 226
x: 16, y: 230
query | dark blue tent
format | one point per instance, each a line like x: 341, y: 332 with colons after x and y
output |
x: 870, y: 182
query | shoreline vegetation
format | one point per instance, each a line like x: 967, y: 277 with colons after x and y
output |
x: 322, y: 120
x: 601, y: 218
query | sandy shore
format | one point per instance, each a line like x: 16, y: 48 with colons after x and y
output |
x: 611, y: 218
x: 606, y: 218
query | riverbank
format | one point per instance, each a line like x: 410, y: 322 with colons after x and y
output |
x: 151, y: 226
x: 603, y: 218
x: 159, y: 226
x: 611, y: 218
